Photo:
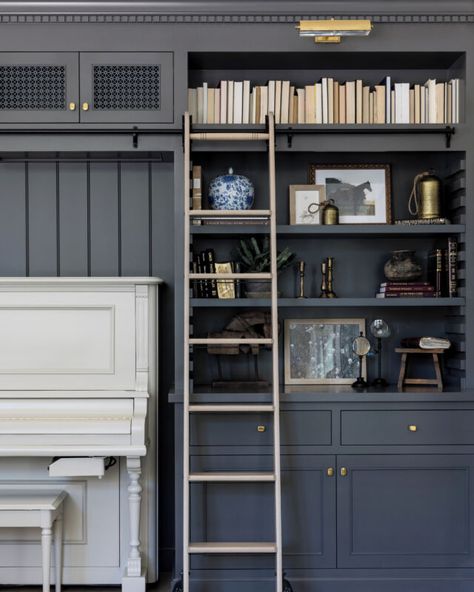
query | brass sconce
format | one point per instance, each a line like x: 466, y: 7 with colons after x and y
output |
x: 331, y: 31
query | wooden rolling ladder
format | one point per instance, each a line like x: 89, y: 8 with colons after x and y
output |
x: 275, y: 546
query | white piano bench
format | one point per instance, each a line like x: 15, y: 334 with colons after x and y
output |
x: 37, y: 509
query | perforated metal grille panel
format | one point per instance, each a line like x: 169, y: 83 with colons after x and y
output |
x: 126, y: 87
x: 35, y: 87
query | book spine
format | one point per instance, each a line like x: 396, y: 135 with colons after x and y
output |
x: 212, y: 284
x: 452, y: 255
x: 405, y: 284
x: 406, y: 295
x: 435, y: 265
x: 196, y: 284
x: 405, y: 289
x: 238, y: 283
x: 202, y: 268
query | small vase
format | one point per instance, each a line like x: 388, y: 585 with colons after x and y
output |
x: 259, y: 289
x: 403, y: 266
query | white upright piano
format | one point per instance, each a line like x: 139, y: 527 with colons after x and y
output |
x: 78, y: 378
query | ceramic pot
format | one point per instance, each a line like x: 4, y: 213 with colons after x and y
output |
x: 403, y: 266
x: 231, y: 192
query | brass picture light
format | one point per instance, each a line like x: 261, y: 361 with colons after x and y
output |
x: 331, y: 31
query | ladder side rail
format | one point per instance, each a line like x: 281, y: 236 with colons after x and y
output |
x: 275, y: 361
x: 186, y: 364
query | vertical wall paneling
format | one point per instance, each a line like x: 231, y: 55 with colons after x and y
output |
x: 134, y: 218
x: 42, y: 214
x: 12, y: 220
x: 73, y: 219
x: 104, y: 220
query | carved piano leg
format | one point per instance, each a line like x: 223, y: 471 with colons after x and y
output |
x: 134, y: 580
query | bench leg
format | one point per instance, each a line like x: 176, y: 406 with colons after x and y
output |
x: 46, y: 535
x: 58, y: 552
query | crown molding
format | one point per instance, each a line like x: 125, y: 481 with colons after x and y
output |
x: 233, y: 11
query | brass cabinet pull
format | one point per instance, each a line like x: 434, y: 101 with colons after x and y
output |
x: 330, y: 472
x: 412, y: 428
x: 72, y: 106
x: 85, y: 106
x: 261, y: 428
x: 343, y: 472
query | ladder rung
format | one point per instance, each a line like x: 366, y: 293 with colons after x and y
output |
x: 229, y: 213
x: 232, y: 548
x: 230, y: 276
x: 239, y: 408
x: 232, y: 477
x: 229, y: 136
x: 229, y: 341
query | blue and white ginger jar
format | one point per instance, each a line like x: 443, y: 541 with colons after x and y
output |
x: 231, y: 192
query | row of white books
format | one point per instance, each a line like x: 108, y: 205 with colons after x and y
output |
x: 327, y: 102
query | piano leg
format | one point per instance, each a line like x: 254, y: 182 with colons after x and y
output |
x: 134, y: 580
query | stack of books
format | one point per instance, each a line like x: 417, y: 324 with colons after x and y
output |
x: 205, y: 262
x: 443, y: 269
x: 406, y: 290
x: 327, y: 101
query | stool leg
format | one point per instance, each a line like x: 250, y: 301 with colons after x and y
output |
x: 437, y: 367
x: 46, y: 535
x: 403, y: 371
x: 58, y: 551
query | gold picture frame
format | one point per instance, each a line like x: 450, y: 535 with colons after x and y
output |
x: 329, y: 342
x: 304, y: 201
x: 361, y: 192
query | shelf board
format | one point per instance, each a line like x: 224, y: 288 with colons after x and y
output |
x: 327, y: 302
x: 316, y: 231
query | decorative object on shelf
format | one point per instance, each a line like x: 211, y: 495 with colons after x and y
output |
x: 254, y: 255
x: 331, y: 30
x: 196, y: 191
x: 327, y: 278
x: 403, y: 381
x: 426, y: 342
x: 425, y: 196
x: 361, y: 192
x: 252, y: 324
x: 305, y: 203
x: 319, y: 351
x: 361, y: 347
x: 231, y: 192
x: 403, y: 266
x: 330, y: 215
x: 225, y: 288
x: 380, y: 330
x: 301, y: 272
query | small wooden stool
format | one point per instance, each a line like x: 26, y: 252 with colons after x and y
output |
x: 404, y: 381
x: 42, y: 509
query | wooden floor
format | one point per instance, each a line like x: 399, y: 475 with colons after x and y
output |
x: 161, y: 586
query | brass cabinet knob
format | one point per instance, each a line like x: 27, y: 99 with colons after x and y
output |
x: 85, y: 106
x: 72, y: 106
x: 330, y: 472
x: 261, y: 428
x: 412, y: 428
x: 343, y: 472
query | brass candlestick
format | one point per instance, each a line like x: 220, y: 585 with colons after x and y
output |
x: 301, y: 268
x: 330, y: 277
x: 324, y: 286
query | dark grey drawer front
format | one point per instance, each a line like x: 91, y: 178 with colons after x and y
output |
x: 372, y: 428
x: 298, y: 428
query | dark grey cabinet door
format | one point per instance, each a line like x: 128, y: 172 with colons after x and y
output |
x: 126, y: 87
x: 405, y: 511
x: 243, y: 512
x: 39, y: 87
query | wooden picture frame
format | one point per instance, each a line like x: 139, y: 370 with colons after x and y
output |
x: 362, y: 192
x: 302, y: 198
x: 310, y: 339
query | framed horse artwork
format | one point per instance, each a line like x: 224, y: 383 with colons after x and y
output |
x: 362, y: 192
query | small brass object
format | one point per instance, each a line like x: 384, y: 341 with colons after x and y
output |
x: 261, y: 428
x: 425, y: 197
x: 330, y: 213
x: 85, y: 106
x: 343, y: 472
x: 301, y: 266
x: 330, y: 277
x: 72, y: 106
x: 413, y: 428
x: 330, y: 472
